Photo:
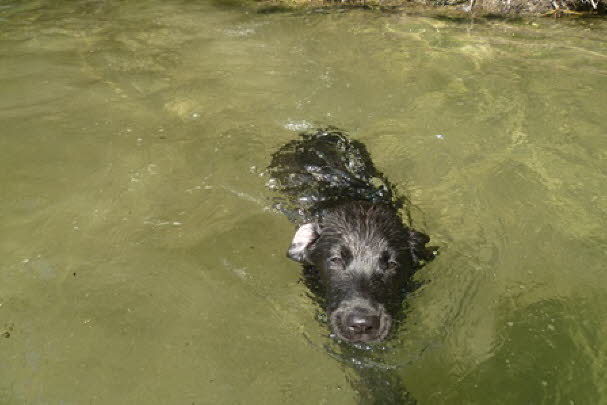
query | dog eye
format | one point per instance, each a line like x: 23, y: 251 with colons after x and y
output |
x: 337, y: 261
x: 392, y: 266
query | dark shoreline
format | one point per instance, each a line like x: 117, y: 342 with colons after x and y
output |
x: 456, y: 9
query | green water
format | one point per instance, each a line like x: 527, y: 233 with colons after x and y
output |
x: 139, y: 259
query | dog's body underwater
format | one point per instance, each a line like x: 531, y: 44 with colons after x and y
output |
x: 349, y: 231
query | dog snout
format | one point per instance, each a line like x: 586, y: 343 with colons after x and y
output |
x: 359, y: 324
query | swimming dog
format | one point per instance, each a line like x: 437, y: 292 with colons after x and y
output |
x: 350, y: 233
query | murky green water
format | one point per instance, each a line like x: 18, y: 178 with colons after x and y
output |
x: 140, y: 262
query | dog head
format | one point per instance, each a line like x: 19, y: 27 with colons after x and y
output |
x: 364, y: 255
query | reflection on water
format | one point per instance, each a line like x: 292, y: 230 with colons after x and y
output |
x: 141, y: 262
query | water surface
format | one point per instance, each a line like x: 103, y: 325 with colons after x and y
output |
x: 141, y: 262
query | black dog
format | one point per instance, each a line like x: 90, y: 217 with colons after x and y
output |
x: 350, y: 231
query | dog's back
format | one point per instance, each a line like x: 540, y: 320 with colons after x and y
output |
x: 323, y: 169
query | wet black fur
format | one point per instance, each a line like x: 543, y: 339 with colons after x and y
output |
x: 363, y: 250
x: 366, y: 222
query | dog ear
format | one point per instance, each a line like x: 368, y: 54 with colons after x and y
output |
x: 417, y: 247
x: 304, y: 237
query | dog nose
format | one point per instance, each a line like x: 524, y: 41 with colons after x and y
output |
x: 362, y: 324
